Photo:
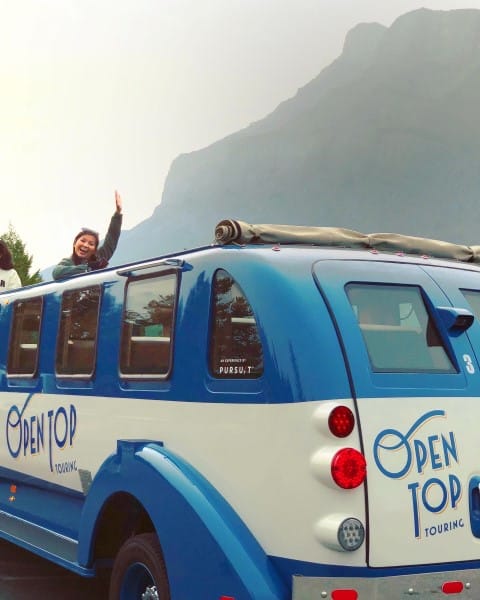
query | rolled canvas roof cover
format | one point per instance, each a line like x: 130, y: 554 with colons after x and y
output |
x: 231, y: 231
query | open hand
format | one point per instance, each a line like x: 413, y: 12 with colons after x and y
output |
x: 118, y: 202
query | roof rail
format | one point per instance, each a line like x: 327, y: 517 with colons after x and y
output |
x: 155, y: 265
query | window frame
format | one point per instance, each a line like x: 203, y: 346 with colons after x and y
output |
x: 66, y: 341
x: 13, y: 346
x: 214, y: 366
x: 143, y: 376
x: 432, y: 329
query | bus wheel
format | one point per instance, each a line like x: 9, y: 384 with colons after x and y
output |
x: 139, y: 571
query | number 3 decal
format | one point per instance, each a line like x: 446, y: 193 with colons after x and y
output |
x: 469, y: 364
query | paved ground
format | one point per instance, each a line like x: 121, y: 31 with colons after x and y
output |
x: 24, y: 576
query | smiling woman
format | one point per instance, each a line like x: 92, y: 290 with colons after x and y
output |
x: 87, y: 255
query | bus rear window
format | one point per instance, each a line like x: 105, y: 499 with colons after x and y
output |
x: 473, y: 298
x: 399, y: 333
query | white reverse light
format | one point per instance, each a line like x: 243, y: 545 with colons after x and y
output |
x: 351, y: 534
x: 340, y: 532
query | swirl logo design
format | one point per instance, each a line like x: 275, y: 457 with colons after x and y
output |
x: 413, y: 454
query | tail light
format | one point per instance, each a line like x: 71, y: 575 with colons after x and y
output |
x: 348, y: 468
x: 339, y: 467
x: 341, y: 421
x: 335, y: 419
x: 344, y: 467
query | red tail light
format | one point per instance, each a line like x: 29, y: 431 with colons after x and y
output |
x: 341, y: 421
x: 349, y: 468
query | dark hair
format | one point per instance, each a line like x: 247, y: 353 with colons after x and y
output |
x: 87, y: 231
x: 84, y: 231
x: 6, y: 261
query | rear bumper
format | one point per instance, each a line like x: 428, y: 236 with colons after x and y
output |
x: 418, y: 586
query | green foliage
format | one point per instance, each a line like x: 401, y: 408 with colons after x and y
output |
x: 22, y: 261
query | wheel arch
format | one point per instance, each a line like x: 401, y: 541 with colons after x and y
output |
x: 198, y: 530
x: 121, y: 517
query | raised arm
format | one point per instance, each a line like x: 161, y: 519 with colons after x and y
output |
x: 109, y: 245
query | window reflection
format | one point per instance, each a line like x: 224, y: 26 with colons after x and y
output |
x: 147, y: 326
x: 24, y: 340
x: 399, y: 333
x: 77, y: 337
x: 236, y: 350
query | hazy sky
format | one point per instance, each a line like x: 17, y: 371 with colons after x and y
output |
x: 104, y: 94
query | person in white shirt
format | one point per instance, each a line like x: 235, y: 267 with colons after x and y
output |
x: 9, y: 278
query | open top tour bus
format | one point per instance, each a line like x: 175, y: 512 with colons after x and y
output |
x: 290, y: 413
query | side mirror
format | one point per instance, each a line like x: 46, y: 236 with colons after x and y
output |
x: 455, y: 319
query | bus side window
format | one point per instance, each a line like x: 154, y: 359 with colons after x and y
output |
x: 77, y: 336
x: 25, y: 337
x: 235, y: 346
x: 146, y: 347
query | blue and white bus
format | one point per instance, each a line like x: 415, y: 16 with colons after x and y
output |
x: 288, y: 414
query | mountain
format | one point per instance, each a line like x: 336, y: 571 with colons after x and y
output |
x: 386, y: 138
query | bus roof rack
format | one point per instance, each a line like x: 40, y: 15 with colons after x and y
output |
x: 230, y: 231
x: 151, y: 265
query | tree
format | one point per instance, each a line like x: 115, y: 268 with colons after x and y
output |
x: 21, y: 260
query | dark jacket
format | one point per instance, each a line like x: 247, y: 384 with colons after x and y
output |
x: 67, y: 267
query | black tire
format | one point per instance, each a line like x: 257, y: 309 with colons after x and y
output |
x: 139, y: 570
